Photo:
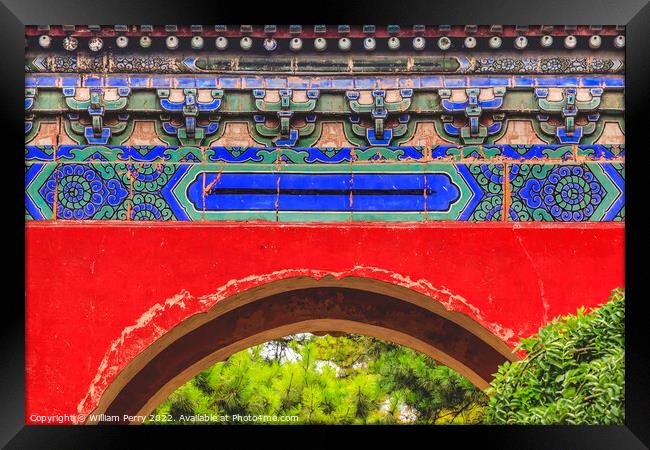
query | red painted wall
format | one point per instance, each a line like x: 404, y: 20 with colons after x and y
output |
x: 99, y: 294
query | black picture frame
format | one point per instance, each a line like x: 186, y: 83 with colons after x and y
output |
x: 634, y: 14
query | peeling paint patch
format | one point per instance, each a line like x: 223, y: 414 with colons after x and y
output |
x: 131, y: 341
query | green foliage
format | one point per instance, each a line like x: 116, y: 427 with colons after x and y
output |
x: 436, y: 392
x: 574, y: 372
x: 349, y: 379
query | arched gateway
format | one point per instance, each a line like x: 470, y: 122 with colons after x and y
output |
x: 186, y: 198
x: 351, y: 304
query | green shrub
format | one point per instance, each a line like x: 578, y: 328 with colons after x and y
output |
x: 574, y: 372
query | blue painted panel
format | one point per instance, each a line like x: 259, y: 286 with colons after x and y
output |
x: 455, y: 82
x: 138, y: 81
x: 431, y: 82
x: 229, y: 83
x: 112, y: 81
x: 93, y: 82
x: 276, y: 83
x: 185, y: 82
x: 324, y: 192
x: 253, y: 82
x: 488, y: 81
x: 70, y: 81
x: 298, y: 84
x: 366, y: 83
x: 342, y: 83
x: 161, y: 82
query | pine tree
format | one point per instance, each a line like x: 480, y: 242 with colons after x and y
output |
x: 347, y: 379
